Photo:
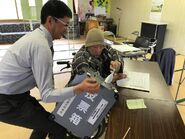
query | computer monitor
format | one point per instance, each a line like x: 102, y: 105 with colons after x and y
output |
x: 149, y: 30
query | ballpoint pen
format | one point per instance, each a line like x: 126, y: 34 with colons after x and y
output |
x: 126, y: 133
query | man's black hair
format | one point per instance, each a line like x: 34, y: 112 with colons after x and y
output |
x: 55, y: 8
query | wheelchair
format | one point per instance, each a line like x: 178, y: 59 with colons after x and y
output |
x: 97, y: 134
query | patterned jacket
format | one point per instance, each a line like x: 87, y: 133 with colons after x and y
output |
x: 83, y: 59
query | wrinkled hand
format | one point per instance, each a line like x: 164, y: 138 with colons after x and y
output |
x: 115, y: 65
x: 118, y: 76
x: 87, y: 85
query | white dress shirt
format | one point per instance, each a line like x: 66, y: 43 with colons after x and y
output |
x: 27, y: 64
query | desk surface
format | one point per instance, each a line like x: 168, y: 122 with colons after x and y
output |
x: 161, y: 118
x: 158, y: 88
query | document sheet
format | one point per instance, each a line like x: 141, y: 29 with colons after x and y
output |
x: 136, y: 80
x: 135, y: 104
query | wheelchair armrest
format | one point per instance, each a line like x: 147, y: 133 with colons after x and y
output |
x: 74, y: 53
x: 145, y: 49
x: 64, y: 62
x: 127, y: 42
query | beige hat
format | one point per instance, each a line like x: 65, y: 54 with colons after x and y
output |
x: 94, y: 37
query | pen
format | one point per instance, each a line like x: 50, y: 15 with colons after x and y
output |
x: 126, y: 133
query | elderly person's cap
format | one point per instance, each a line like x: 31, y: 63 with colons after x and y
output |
x: 94, y: 37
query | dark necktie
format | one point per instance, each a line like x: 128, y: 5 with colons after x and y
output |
x: 52, y: 53
x: 52, y: 50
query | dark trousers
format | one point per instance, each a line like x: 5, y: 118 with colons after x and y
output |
x: 25, y: 111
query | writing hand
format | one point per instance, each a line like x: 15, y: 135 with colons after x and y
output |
x: 115, y: 65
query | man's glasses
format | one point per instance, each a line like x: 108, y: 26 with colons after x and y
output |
x: 64, y: 23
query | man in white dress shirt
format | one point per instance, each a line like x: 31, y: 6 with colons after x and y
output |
x: 27, y: 64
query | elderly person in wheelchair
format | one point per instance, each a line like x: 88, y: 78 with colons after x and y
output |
x: 97, y: 56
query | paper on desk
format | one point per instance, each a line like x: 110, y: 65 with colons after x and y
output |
x: 125, y: 48
x: 136, y: 80
x: 135, y: 104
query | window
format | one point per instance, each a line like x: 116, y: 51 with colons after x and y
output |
x: 10, y: 9
x: 44, y: 1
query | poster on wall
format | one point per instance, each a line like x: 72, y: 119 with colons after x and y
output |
x: 104, y: 4
x: 101, y: 7
x: 157, y: 5
x: 85, y: 6
x: 156, y: 10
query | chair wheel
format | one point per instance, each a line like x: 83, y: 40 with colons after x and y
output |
x: 99, y: 132
x: 116, y: 96
x: 52, y: 117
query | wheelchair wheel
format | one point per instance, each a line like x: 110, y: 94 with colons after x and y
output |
x: 100, y: 130
x: 96, y: 135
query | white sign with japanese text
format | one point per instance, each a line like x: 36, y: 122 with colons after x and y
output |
x: 97, y: 112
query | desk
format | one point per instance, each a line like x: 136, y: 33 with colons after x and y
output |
x: 160, y: 120
x: 158, y: 88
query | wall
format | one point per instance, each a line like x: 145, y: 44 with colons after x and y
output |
x: 131, y: 15
x: 174, y: 14
x: 38, y: 8
x: 31, y: 12
x: 25, y: 9
x: 70, y: 4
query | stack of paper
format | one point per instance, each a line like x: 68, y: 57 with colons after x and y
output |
x: 125, y: 48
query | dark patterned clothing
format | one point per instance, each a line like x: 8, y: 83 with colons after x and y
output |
x: 83, y: 59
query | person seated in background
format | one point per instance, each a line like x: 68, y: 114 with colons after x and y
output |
x: 97, y: 56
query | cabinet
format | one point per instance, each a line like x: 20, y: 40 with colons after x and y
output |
x: 154, y: 30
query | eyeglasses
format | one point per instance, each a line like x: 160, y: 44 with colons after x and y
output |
x: 65, y: 24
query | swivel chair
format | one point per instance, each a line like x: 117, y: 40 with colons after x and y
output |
x: 166, y: 60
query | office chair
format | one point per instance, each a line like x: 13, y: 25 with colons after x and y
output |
x: 166, y: 60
